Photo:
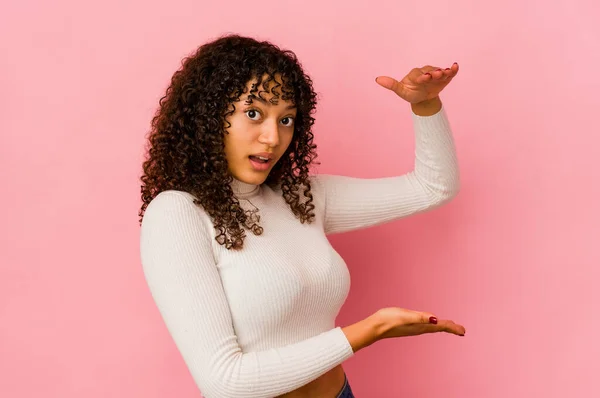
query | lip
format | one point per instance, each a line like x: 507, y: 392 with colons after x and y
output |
x: 267, y: 155
x: 261, y: 166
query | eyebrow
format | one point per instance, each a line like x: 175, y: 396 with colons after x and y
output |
x: 265, y: 102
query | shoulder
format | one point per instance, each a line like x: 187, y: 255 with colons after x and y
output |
x: 316, y: 182
x: 320, y: 184
x: 318, y: 189
x: 173, y: 207
x: 319, y: 180
x: 175, y: 239
x: 171, y: 200
x: 173, y: 227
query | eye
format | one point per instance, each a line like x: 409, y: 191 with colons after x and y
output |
x: 287, y: 121
x: 253, y: 114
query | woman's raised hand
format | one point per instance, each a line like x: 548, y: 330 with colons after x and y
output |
x: 420, y: 84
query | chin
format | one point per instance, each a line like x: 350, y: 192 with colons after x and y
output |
x: 253, y: 178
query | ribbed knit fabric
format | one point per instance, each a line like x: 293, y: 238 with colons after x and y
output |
x: 259, y: 322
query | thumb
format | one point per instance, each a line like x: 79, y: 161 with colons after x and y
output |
x: 425, y: 317
x: 418, y: 317
x: 388, y: 82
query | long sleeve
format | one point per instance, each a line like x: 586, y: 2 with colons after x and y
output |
x: 355, y: 203
x: 184, y: 281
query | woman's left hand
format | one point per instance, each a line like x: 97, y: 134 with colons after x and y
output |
x: 421, y: 84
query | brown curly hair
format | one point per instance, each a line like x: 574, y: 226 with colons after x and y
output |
x: 186, y: 142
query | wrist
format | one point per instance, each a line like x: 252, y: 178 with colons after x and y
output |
x: 366, y: 332
x: 428, y: 107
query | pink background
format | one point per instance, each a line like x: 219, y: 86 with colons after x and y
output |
x: 515, y: 257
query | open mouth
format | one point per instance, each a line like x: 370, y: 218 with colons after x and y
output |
x: 259, y: 159
x: 260, y: 163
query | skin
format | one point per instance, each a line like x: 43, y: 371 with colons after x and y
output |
x: 256, y: 128
x: 269, y: 130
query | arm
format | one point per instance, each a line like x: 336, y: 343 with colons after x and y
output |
x: 185, y: 284
x: 353, y: 203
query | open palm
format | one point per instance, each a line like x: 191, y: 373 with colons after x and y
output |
x: 420, y: 84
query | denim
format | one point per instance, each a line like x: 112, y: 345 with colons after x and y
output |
x: 346, y: 390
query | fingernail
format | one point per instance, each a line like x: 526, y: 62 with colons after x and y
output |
x: 433, y: 320
x: 428, y: 74
x: 447, y: 68
x: 439, y: 69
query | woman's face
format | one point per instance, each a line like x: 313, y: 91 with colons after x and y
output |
x: 259, y: 135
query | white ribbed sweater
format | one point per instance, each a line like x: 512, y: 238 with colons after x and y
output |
x: 260, y: 322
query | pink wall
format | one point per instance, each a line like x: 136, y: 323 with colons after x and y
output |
x: 515, y: 257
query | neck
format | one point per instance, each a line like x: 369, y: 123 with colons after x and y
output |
x: 244, y: 190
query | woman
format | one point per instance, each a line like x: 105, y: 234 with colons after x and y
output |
x: 233, y: 237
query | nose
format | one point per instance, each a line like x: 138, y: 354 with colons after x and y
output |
x: 269, y: 134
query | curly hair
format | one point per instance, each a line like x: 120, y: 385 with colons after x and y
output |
x: 186, y: 142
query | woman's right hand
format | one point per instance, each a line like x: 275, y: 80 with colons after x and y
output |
x: 396, y: 322
x: 400, y: 322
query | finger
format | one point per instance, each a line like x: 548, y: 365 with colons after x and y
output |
x: 425, y: 77
x: 436, y: 73
x: 439, y: 74
x: 449, y: 326
x: 388, y: 82
x: 409, y: 317
x: 430, y: 73
x: 424, y: 318
x: 451, y: 71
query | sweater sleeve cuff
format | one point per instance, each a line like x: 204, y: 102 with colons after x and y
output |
x: 342, y: 342
x: 433, y: 123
